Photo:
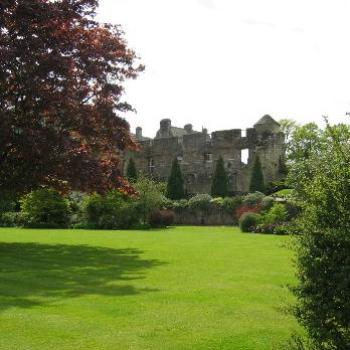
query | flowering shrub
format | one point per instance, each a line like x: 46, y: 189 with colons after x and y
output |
x: 162, y: 218
x: 247, y: 209
x: 249, y: 221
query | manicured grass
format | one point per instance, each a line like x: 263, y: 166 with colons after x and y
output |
x: 180, y: 288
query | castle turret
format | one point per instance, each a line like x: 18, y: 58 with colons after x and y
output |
x: 267, y: 125
x: 188, y: 128
x: 139, y: 133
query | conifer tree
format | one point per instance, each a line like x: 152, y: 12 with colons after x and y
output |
x: 131, y: 172
x: 219, y: 187
x: 257, y: 177
x: 175, y: 186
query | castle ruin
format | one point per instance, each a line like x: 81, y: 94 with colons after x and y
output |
x: 197, y: 153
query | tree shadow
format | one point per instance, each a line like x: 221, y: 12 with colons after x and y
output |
x: 33, y: 274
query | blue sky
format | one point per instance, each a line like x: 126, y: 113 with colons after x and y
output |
x: 222, y: 64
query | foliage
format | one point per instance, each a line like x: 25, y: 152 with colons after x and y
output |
x: 111, y: 211
x: 7, y: 202
x: 323, y: 260
x: 44, y: 208
x: 219, y: 187
x: 241, y: 210
x: 175, y: 186
x: 287, y: 127
x: 304, y: 141
x: 253, y: 198
x: 200, y: 202
x: 267, y: 203
x: 249, y: 221
x: 276, y: 215
x: 131, y: 172
x: 230, y: 204
x: 150, y: 197
x: 162, y: 218
x: 10, y: 219
x: 61, y: 85
x: 180, y: 204
x: 257, y: 178
x: 284, y: 193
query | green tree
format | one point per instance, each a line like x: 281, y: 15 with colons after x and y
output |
x: 151, y: 196
x: 304, y: 139
x: 175, y: 186
x: 131, y: 172
x: 287, y: 127
x: 257, y: 177
x: 219, y: 186
x: 323, y: 260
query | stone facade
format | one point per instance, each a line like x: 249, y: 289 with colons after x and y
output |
x: 198, y: 152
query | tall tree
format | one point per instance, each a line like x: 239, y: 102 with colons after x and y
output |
x: 175, y: 186
x: 323, y: 243
x: 131, y: 172
x: 287, y: 127
x: 219, y: 186
x: 61, y: 84
x: 257, y: 183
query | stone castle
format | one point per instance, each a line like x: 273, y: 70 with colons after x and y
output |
x: 197, y: 153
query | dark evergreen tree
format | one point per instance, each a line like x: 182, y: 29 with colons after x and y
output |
x: 219, y: 186
x: 175, y: 186
x: 257, y: 177
x: 131, y: 172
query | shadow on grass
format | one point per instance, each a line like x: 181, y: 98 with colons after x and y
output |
x: 34, y: 274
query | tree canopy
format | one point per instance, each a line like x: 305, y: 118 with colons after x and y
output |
x: 323, y: 243
x: 61, y: 86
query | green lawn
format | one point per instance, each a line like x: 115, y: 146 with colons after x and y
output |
x: 180, y: 288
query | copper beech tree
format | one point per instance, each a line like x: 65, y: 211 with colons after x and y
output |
x: 61, y: 84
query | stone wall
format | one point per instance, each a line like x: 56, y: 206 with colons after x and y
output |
x: 198, y: 153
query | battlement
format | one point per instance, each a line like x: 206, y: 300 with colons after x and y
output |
x: 198, y: 151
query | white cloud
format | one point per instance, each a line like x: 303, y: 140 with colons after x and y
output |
x: 226, y: 67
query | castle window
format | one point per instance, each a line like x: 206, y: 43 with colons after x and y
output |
x: 244, y: 156
x: 208, y: 157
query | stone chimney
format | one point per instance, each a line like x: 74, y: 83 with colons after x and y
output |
x: 188, y: 128
x: 165, y: 125
x: 139, y: 133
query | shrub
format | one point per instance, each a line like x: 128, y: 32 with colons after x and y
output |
x: 276, y: 215
x: 162, y: 218
x: 217, y: 202
x: 230, y: 204
x: 150, y: 197
x: 249, y: 221
x: 323, y: 260
x: 247, y: 209
x: 44, y: 208
x: 113, y: 211
x: 200, y: 202
x: 253, y: 198
x: 181, y: 204
x: 293, y: 208
x: 267, y: 203
x: 10, y: 219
